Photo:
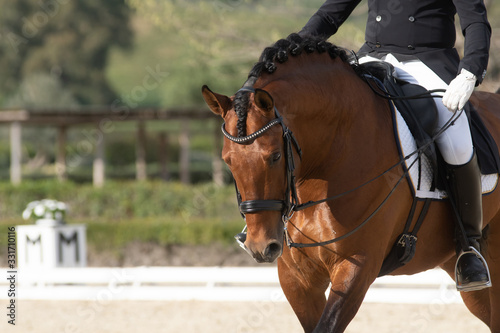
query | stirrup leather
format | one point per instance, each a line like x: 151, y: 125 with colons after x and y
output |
x: 474, y: 287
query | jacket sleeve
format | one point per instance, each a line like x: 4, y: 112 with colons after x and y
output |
x: 477, y: 32
x: 329, y: 17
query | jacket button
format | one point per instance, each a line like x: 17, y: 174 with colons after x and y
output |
x: 378, y: 18
x: 410, y: 47
x: 411, y: 19
x: 378, y: 44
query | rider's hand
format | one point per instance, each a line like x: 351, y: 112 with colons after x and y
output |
x: 459, y: 91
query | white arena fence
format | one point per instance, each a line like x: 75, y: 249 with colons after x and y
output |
x: 206, y: 284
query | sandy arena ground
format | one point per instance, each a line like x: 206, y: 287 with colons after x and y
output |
x: 231, y: 317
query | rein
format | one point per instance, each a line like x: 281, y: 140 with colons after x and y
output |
x: 291, y: 204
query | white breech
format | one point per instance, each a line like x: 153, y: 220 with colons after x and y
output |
x: 455, y: 144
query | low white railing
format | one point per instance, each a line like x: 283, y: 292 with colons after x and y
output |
x: 204, y: 283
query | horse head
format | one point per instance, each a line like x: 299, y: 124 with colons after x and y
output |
x: 260, y: 150
x: 258, y: 164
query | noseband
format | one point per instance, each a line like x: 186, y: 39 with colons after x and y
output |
x: 286, y: 206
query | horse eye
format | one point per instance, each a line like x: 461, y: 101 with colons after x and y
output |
x: 276, y: 157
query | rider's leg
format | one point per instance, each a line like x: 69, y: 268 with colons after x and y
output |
x: 455, y: 145
x: 465, y: 191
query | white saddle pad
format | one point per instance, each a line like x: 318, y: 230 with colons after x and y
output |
x: 423, y: 190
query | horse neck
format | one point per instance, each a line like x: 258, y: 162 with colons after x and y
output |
x: 342, y: 127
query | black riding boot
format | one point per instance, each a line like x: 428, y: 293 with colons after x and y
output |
x: 465, y: 184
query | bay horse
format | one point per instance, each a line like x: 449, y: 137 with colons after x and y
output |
x: 305, y: 127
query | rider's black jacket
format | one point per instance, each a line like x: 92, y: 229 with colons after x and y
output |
x: 416, y: 28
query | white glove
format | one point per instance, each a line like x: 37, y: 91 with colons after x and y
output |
x: 459, y: 90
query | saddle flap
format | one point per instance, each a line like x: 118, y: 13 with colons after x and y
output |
x: 420, y: 114
x: 425, y: 108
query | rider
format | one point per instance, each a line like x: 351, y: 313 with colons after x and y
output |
x: 418, y: 38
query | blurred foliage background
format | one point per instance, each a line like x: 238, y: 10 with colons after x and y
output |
x: 126, y: 211
x: 74, y: 53
x: 67, y: 52
x: 60, y: 46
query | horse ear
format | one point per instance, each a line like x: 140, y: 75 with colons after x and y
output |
x: 263, y: 100
x: 219, y: 104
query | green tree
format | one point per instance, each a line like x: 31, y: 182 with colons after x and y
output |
x: 66, y: 40
x: 217, y: 41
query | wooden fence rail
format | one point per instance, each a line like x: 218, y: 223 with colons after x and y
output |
x: 101, y: 118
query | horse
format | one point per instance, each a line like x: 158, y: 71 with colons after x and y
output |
x: 306, y: 127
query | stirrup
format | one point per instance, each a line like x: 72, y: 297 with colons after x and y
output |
x: 474, y: 287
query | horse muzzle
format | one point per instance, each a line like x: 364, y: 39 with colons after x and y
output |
x: 271, y: 251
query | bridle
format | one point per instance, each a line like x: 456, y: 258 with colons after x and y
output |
x: 290, y: 204
x: 286, y: 206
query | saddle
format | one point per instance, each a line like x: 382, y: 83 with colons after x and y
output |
x: 423, y: 126
x: 420, y: 115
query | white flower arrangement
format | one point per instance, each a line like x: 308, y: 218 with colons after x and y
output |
x: 45, y: 209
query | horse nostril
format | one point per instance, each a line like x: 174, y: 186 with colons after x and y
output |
x: 273, y: 250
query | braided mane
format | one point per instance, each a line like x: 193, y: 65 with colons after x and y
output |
x: 268, y: 62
